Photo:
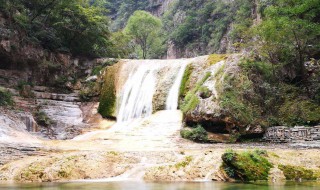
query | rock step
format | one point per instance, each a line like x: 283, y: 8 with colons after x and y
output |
x: 10, y: 153
x: 74, y: 97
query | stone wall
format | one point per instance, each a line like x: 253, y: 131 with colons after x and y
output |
x: 286, y: 134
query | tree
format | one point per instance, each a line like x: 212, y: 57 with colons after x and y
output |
x: 144, y: 30
x: 290, y: 34
x: 80, y: 27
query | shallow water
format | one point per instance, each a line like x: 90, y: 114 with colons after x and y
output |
x: 162, y: 186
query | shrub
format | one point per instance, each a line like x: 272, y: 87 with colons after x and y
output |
x: 43, y: 119
x: 6, y: 98
x: 198, y: 134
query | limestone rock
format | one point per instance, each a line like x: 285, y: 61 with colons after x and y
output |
x: 276, y: 175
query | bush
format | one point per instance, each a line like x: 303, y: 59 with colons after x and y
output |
x: 246, y: 166
x: 42, y: 119
x: 6, y: 98
x: 198, y: 134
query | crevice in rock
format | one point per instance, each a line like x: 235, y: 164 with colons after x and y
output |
x: 219, y: 127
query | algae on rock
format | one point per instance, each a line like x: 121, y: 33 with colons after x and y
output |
x: 299, y: 173
x: 246, y: 166
x: 108, y: 97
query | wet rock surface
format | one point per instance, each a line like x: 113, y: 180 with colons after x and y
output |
x: 10, y: 151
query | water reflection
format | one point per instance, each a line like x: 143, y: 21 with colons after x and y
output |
x: 162, y: 186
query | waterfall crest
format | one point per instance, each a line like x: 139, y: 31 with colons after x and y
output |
x: 136, y: 100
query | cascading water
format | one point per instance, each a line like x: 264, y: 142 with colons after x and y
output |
x: 173, y: 97
x: 136, y: 100
x: 146, y: 80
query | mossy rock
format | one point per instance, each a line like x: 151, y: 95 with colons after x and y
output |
x: 108, y: 97
x: 215, y: 58
x: 198, y: 134
x: 205, y: 92
x: 191, y: 100
x: 184, y: 87
x: 297, y: 173
x: 246, y: 166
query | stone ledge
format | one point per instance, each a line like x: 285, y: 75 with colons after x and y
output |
x: 284, y: 134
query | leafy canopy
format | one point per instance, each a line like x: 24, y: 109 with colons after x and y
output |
x: 144, y: 30
x: 76, y: 26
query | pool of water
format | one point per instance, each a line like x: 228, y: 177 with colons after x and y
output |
x: 162, y: 186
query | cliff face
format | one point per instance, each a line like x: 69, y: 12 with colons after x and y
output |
x: 159, y: 7
x: 195, y: 28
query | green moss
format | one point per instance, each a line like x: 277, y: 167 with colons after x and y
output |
x: 34, y: 172
x: 205, y: 92
x: 198, y: 134
x: 246, y: 166
x: 232, y: 101
x: 187, y: 160
x: 185, y: 81
x: 297, y: 172
x: 190, y: 103
x: 191, y: 100
x: 215, y: 58
x: 6, y: 98
x: 108, y: 97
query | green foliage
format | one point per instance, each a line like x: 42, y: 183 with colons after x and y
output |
x: 289, y: 35
x: 123, y: 47
x: 123, y: 9
x: 233, y: 90
x: 254, y: 96
x: 246, y: 166
x: 204, y: 23
x: 198, y: 134
x: 296, y: 111
x: 298, y: 173
x: 42, y: 119
x: 76, y: 26
x: 23, y: 83
x: 144, y: 30
x: 5, y: 98
x: 108, y: 97
x: 264, y: 69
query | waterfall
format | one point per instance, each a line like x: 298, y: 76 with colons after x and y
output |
x: 173, y: 97
x: 148, y: 81
x: 136, y: 100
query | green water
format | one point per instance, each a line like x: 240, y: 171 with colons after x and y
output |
x: 162, y: 186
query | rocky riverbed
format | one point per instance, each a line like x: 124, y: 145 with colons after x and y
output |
x: 151, y: 150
